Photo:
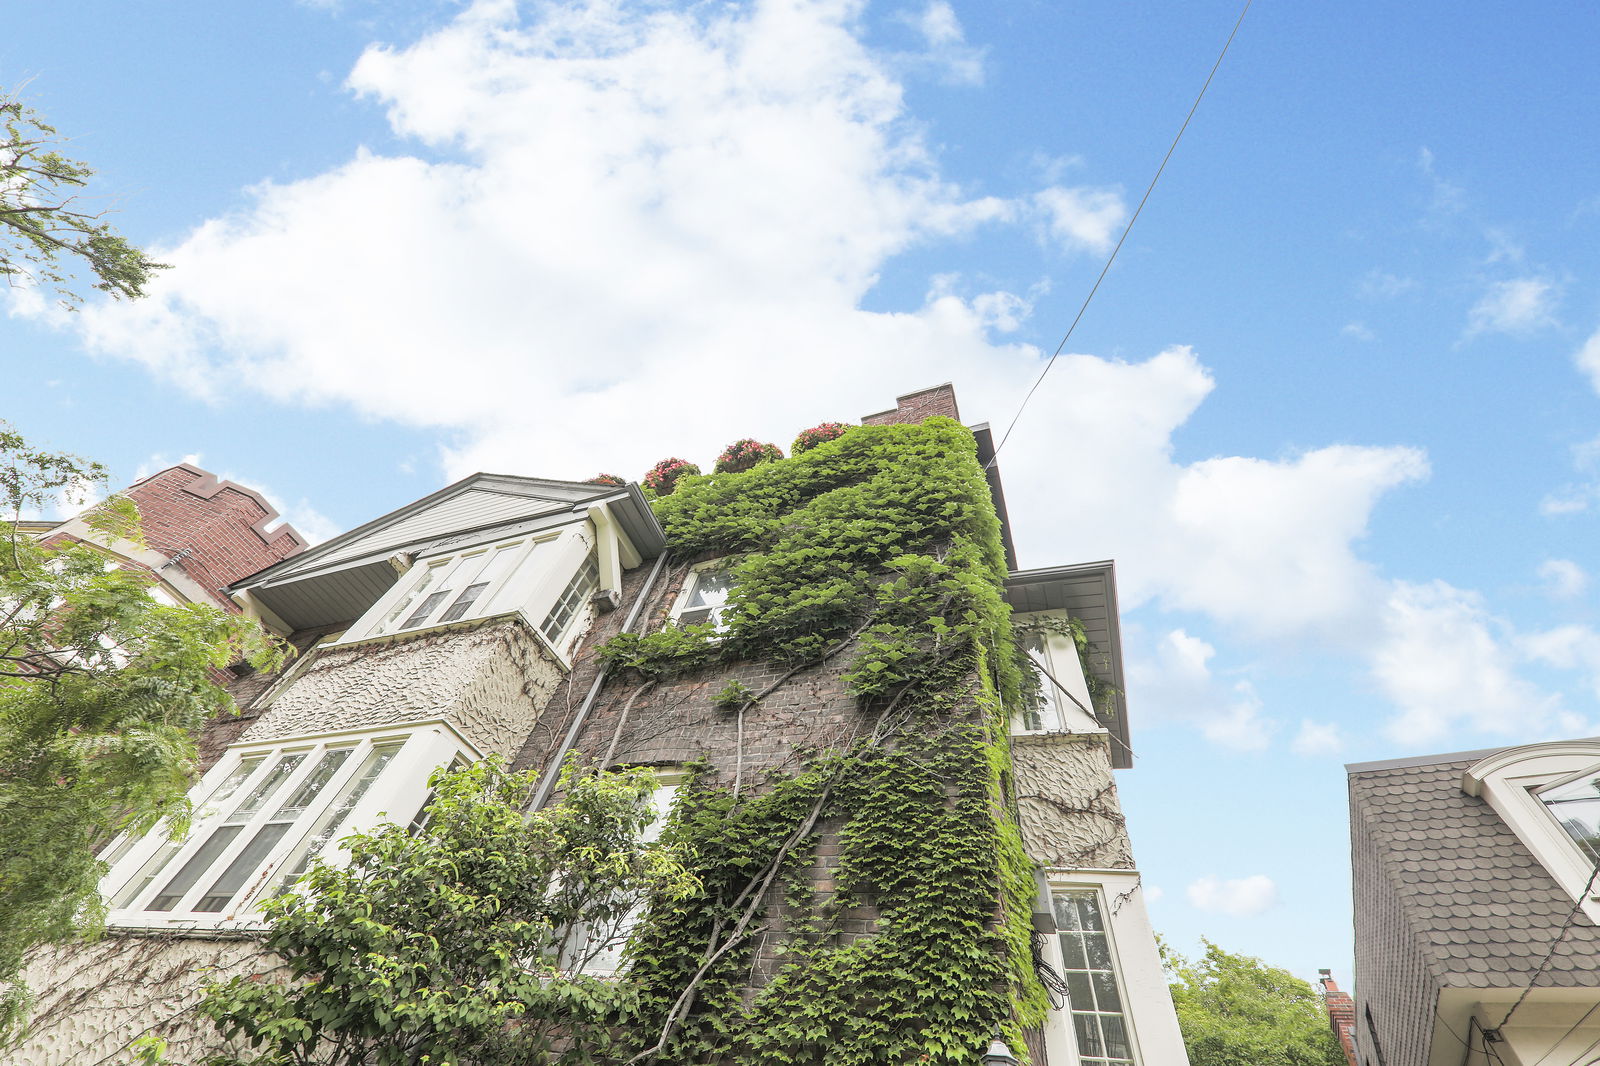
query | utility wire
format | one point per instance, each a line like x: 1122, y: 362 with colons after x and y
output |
x: 1575, y: 1027
x: 1561, y: 935
x: 1125, y: 231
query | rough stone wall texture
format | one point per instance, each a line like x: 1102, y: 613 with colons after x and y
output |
x: 222, y: 525
x: 247, y: 687
x: 916, y: 406
x: 490, y: 681
x: 96, y: 999
x: 1067, y: 798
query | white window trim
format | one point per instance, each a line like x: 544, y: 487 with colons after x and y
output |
x: 1507, y: 781
x: 396, y: 794
x: 1062, y: 660
x: 1151, y: 1022
x: 607, y: 962
x: 685, y: 594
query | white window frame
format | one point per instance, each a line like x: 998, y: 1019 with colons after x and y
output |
x: 1147, y: 1011
x: 576, y: 602
x: 606, y: 961
x: 414, y: 604
x: 342, y: 805
x: 1511, y: 781
x: 1058, y: 655
x: 691, y: 585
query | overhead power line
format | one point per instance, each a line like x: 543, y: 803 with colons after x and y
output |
x: 1112, y: 258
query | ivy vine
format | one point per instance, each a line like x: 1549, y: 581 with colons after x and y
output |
x: 880, y: 546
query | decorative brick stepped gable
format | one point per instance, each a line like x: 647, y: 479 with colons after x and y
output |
x: 223, y: 525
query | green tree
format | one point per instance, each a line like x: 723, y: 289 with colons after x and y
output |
x: 462, y: 942
x: 1235, y: 1010
x: 102, y: 689
x: 46, y: 230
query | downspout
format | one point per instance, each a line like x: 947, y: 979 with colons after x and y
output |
x: 547, y: 784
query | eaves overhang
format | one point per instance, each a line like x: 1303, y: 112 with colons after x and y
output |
x: 338, y: 580
x: 1087, y: 592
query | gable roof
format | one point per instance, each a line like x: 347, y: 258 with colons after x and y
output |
x: 1478, y: 906
x: 338, y: 579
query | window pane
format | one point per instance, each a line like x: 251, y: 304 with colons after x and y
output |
x: 243, y: 866
x: 1088, y: 1034
x: 566, y: 608
x: 432, y: 574
x: 710, y: 589
x: 1576, y: 805
x: 324, y: 828
x: 261, y: 793
x: 141, y: 880
x: 314, y: 783
x: 225, y: 791
x: 464, y: 602
x: 192, y: 870
x: 1105, y: 992
x: 1090, y: 972
x: 1116, y: 1036
x: 427, y: 608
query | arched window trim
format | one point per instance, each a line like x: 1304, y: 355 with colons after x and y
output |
x: 1511, y: 780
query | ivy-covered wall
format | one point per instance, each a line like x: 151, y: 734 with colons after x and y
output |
x: 865, y: 893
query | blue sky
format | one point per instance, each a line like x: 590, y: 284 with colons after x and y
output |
x: 1334, y: 411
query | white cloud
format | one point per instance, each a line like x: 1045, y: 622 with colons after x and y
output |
x: 1518, y: 306
x: 1243, y: 897
x: 1446, y: 662
x: 1082, y: 217
x: 1175, y: 683
x: 651, y: 234
x: 1588, y: 359
x: 1317, y: 738
x: 1152, y: 893
x: 1358, y: 331
x: 946, y: 44
x: 1563, y: 578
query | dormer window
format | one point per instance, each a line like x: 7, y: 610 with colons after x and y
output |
x: 705, y: 598
x: 1575, y: 804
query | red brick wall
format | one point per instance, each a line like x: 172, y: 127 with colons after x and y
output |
x: 222, y: 525
x: 1341, y: 1017
x: 915, y: 406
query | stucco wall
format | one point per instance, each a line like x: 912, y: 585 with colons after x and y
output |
x: 1071, y: 818
x: 489, y: 681
x: 95, y: 999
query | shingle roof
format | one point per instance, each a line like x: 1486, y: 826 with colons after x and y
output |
x: 1481, y: 909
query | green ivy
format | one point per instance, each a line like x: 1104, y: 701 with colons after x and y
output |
x: 884, y: 542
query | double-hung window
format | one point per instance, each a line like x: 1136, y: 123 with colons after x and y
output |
x: 450, y: 588
x: 273, y: 811
x: 705, y: 598
x: 1043, y: 712
x: 1089, y: 966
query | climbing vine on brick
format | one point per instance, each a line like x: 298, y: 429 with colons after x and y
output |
x: 882, y: 547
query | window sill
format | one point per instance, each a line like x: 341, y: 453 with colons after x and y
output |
x: 461, y: 625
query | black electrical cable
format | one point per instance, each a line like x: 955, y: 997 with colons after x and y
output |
x: 1561, y: 935
x: 1112, y: 258
x: 1575, y: 1027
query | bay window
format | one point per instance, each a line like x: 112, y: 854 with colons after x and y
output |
x: 263, y: 814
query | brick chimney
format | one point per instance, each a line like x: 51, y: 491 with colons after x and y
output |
x: 913, y: 407
x: 1341, y: 1014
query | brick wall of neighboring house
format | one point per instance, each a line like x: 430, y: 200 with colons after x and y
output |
x: 226, y: 528
x: 915, y: 406
x: 1341, y: 1015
